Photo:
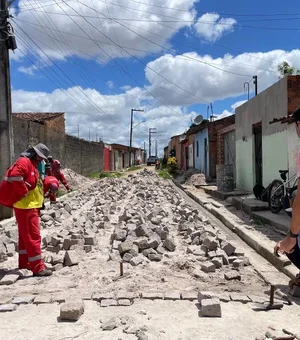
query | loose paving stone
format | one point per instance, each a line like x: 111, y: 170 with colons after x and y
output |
x: 135, y: 261
x: 71, y: 258
x: 124, y: 302
x: 131, y: 330
x: 127, y: 295
x: 206, y: 295
x: 8, y: 308
x: 208, y: 267
x: 153, y: 295
x: 169, y: 244
x: 103, y: 296
x: 238, y: 263
x: 224, y: 297
x: 228, y: 248
x: 9, y: 279
x: 172, y: 295
x: 23, y: 300
x: 232, y: 275
x: 111, y: 324
x: 59, y: 298
x: 4, y: 300
x: 218, y: 262
x: 11, y: 250
x: 191, y: 296
x: 41, y: 299
x: 71, y: 311
x: 258, y: 299
x: 211, y: 308
x: 155, y: 257
x: 295, y: 291
x: 108, y: 303
x: 240, y: 298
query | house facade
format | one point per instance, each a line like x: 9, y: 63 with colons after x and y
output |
x: 265, y: 141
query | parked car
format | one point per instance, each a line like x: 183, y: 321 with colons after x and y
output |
x: 152, y: 160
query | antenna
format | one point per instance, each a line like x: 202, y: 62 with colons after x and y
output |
x: 198, y: 120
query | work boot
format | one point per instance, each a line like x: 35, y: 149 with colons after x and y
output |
x: 45, y: 272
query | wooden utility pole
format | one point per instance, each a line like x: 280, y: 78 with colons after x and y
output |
x: 6, y: 132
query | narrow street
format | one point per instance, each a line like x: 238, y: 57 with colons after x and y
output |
x: 170, y: 248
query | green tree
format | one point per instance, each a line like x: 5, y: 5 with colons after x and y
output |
x: 285, y: 69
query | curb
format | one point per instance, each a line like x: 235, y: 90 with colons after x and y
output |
x: 254, y: 242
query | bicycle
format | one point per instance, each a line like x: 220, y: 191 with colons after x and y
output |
x: 280, y: 193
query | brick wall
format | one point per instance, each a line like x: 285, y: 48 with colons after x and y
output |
x: 213, y: 129
x: 79, y: 155
x: 220, y: 143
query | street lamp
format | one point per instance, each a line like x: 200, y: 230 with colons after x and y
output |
x: 131, y: 128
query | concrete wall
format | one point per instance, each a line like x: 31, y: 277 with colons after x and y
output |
x: 271, y: 103
x: 200, y: 160
x: 79, y: 155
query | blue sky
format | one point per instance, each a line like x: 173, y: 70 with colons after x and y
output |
x: 171, y: 69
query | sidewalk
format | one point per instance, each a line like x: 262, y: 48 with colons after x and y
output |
x: 260, y: 231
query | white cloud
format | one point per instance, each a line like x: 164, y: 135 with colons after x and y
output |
x: 202, y: 77
x: 110, y: 84
x: 212, y: 28
x: 30, y: 71
x: 227, y: 113
x: 113, y: 126
x: 91, y: 29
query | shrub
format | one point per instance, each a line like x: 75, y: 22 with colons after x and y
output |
x: 172, y: 165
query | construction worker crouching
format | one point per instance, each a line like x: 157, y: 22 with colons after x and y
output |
x: 51, y: 186
x: 55, y: 171
x: 22, y: 190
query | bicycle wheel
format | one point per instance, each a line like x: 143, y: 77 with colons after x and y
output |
x: 276, y: 194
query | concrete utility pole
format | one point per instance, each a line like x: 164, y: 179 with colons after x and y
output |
x: 156, y: 147
x: 7, y: 41
x: 255, y: 84
x: 131, y: 129
x: 151, y: 132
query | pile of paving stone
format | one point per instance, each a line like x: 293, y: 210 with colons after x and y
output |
x: 8, y: 242
x: 210, y: 246
x: 67, y: 248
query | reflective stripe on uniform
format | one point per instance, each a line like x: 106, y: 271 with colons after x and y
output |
x: 22, y: 252
x: 14, y: 179
x: 34, y: 258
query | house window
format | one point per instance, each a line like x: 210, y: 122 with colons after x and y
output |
x: 197, y: 148
x: 289, y: 84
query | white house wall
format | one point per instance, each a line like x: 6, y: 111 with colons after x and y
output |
x: 269, y: 104
x: 293, y: 148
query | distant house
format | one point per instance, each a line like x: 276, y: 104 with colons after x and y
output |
x: 202, y: 145
x: 266, y: 142
x: 121, y: 154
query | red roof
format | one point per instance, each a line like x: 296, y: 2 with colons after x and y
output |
x: 37, y: 116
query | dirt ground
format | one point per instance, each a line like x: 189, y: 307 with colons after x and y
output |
x: 163, y: 319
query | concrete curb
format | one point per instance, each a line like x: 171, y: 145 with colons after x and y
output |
x: 254, y: 242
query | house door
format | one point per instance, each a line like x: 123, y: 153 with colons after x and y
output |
x: 205, y: 157
x: 257, y: 133
x: 229, y: 150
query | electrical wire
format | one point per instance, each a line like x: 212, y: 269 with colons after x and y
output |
x: 69, y: 79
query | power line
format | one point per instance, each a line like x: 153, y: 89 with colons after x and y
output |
x: 70, y: 80
x: 117, y: 63
x: 84, y: 75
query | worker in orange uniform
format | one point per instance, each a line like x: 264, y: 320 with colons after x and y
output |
x: 22, y: 190
x: 51, y: 186
x: 56, y: 172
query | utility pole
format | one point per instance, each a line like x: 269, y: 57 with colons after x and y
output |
x: 78, y: 131
x: 131, y: 129
x: 156, y: 147
x: 144, y: 160
x: 255, y: 84
x: 7, y: 41
x: 151, y: 132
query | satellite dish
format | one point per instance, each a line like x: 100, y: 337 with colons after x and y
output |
x: 182, y: 137
x: 198, y: 120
